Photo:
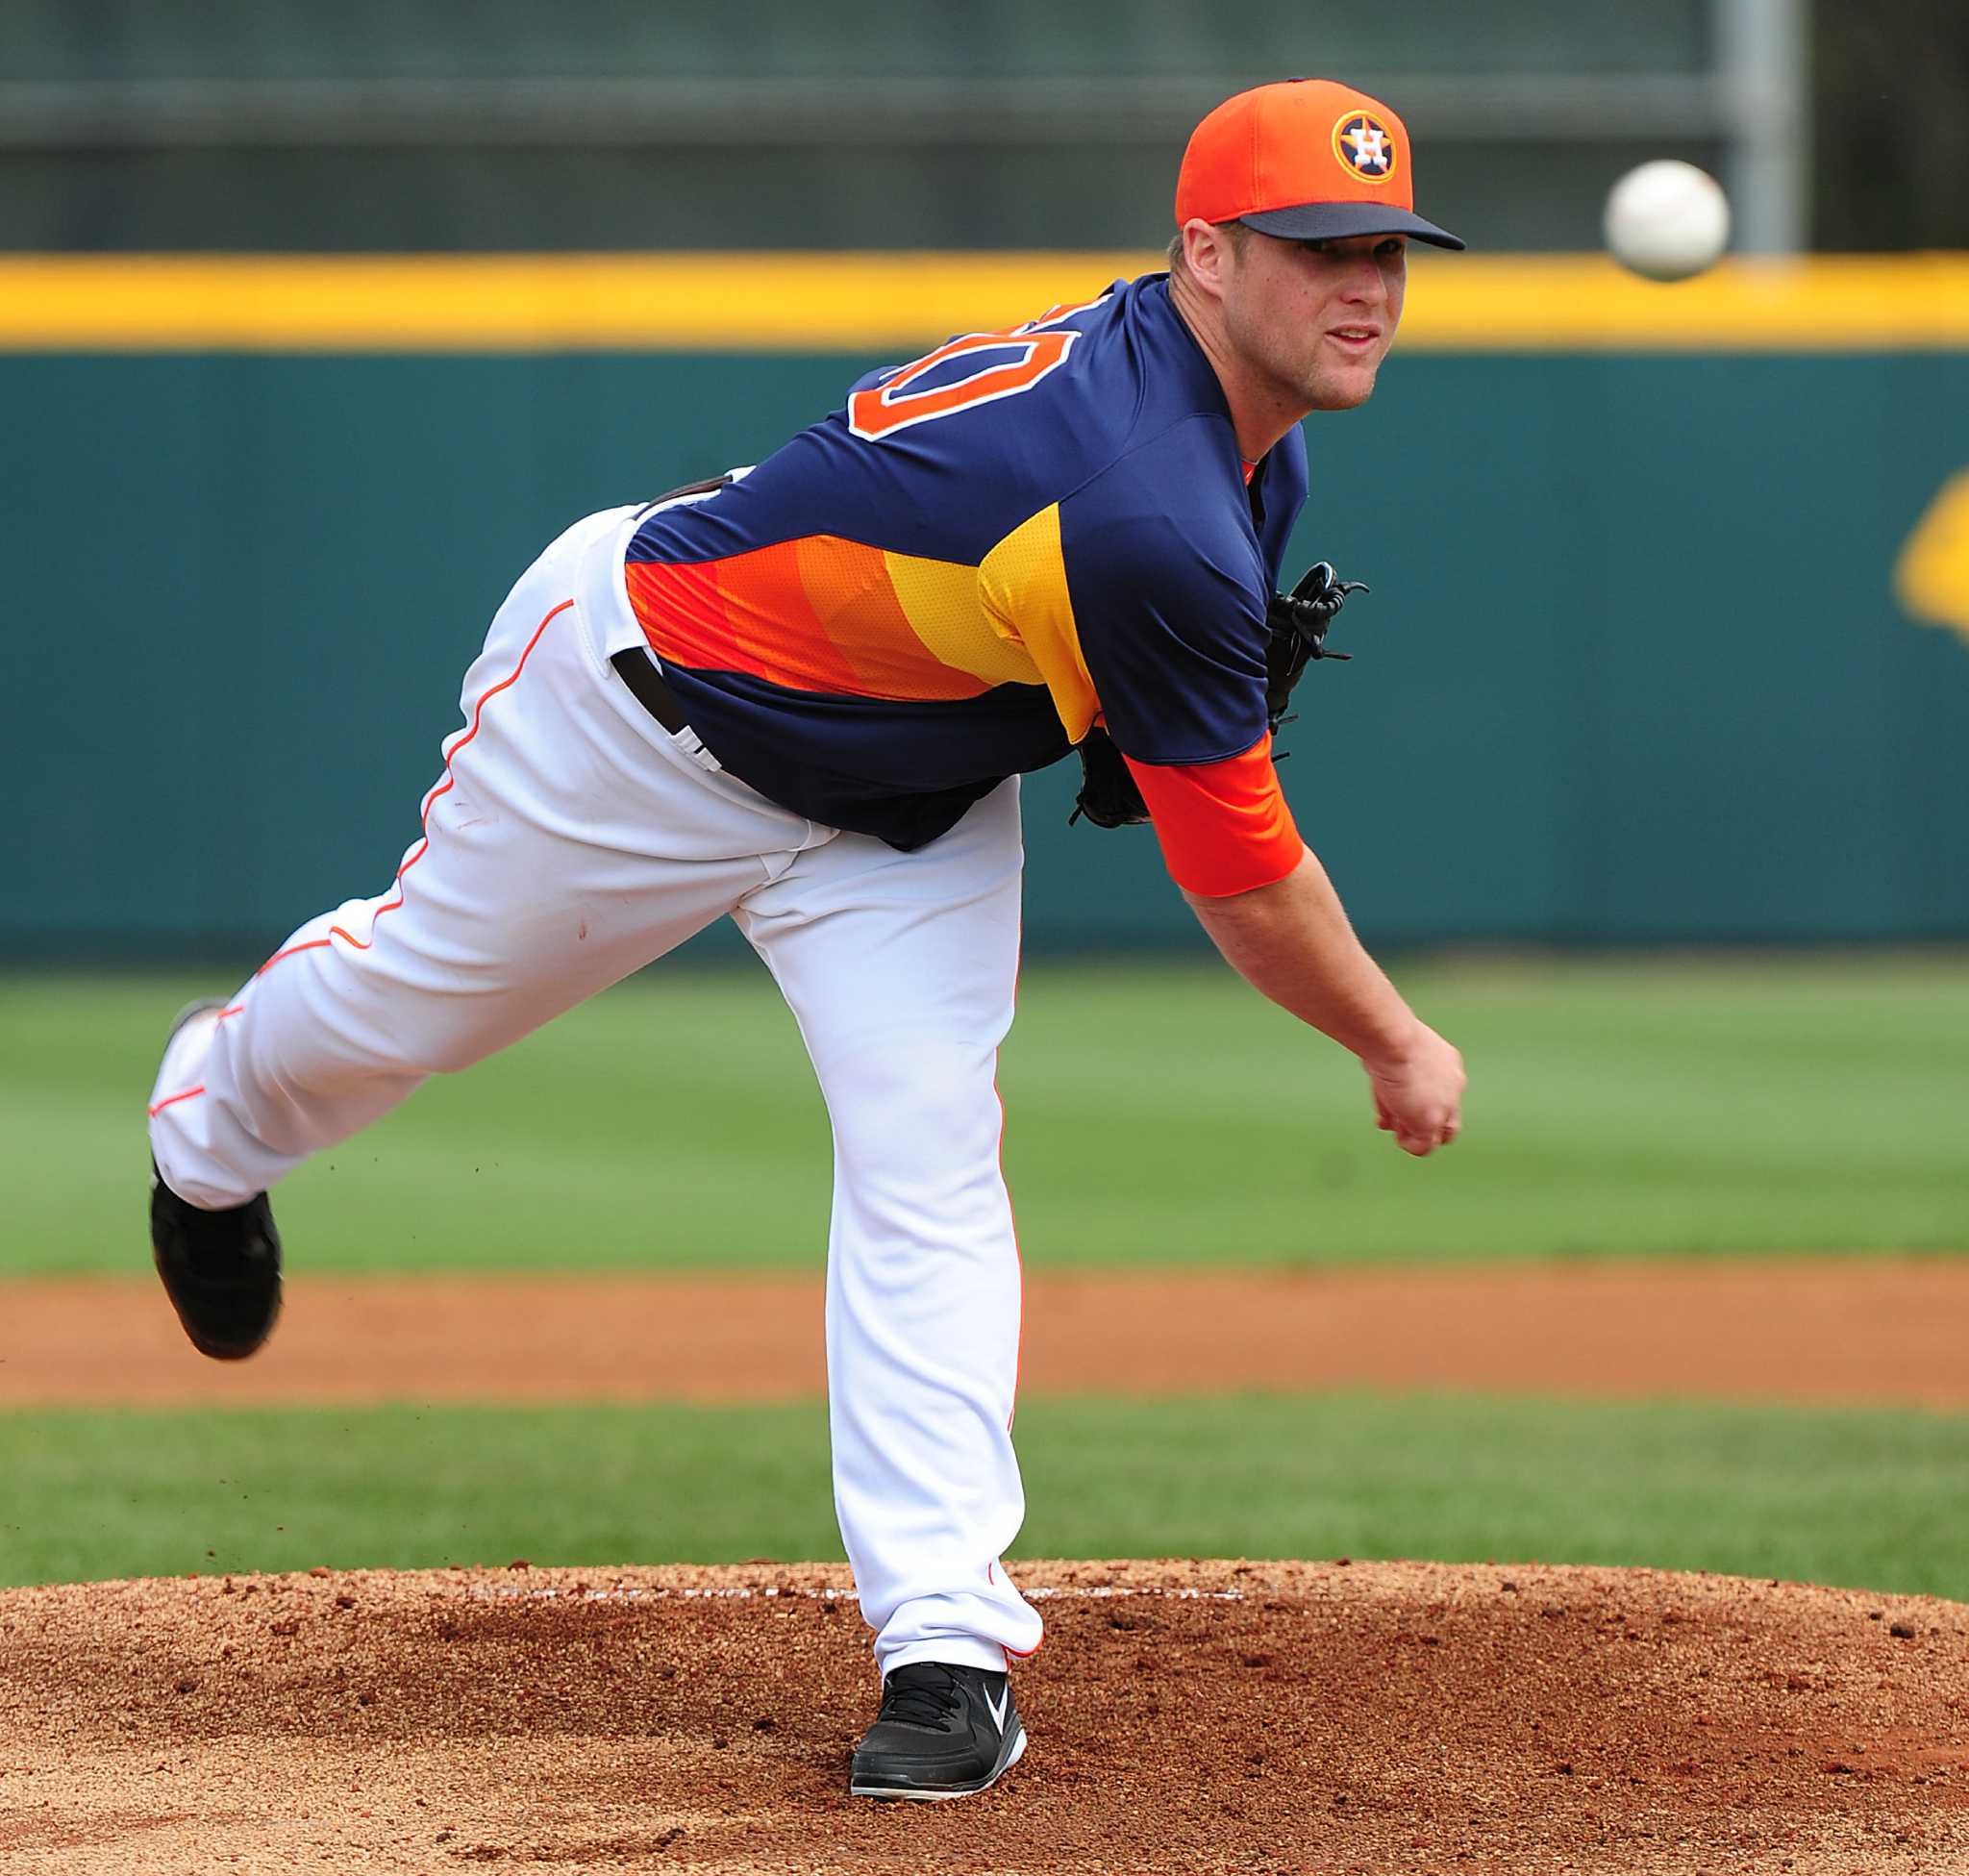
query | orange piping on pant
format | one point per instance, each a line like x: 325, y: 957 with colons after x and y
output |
x: 444, y: 783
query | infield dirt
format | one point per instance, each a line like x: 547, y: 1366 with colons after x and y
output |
x: 1187, y: 1720
x: 1302, y: 1719
x: 1852, y: 1330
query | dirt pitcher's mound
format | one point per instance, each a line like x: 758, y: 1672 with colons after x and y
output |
x: 1393, y: 1719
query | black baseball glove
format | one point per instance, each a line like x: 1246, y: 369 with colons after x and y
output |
x: 1295, y: 634
x: 1109, y: 796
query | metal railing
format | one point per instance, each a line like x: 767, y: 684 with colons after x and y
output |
x: 1752, y: 102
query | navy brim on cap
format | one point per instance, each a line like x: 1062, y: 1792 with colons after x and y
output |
x: 1314, y: 221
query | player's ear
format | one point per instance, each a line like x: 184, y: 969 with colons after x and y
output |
x: 1206, y: 254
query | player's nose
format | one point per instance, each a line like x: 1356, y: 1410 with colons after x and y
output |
x: 1363, y: 283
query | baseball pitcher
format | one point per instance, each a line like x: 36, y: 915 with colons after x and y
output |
x: 800, y: 697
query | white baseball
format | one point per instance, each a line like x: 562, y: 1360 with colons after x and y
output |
x: 1667, y: 220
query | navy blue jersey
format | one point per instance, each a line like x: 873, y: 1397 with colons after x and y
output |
x: 946, y: 580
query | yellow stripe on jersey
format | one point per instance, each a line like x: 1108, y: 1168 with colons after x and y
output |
x: 1023, y: 581
x: 941, y: 601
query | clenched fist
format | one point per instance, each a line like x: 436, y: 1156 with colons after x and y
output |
x: 1419, y: 1091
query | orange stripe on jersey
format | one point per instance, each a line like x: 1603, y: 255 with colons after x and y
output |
x: 818, y: 614
x: 691, y: 617
x: 1224, y: 825
x: 850, y: 591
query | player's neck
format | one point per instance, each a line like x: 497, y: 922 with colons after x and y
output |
x: 1260, y: 412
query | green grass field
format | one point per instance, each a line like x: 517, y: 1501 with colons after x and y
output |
x: 1852, y: 1497
x: 1154, y: 1116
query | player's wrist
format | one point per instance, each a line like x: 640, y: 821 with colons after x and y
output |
x: 1396, y: 1046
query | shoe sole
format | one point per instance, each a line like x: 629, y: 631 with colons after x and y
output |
x: 922, y: 1795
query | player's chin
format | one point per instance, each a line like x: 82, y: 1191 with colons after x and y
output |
x: 1342, y: 390
x: 1340, y: 383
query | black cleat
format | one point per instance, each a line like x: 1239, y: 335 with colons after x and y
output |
x: 221, y: 1269
x: 942, y: 1733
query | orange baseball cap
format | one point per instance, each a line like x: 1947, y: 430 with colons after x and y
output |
x: 1306, y: 159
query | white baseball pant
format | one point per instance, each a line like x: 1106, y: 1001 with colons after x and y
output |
x: 571, y: 841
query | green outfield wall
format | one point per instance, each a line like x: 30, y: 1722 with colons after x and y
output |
x: 1633, y: 669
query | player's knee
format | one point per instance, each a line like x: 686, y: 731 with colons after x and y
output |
x: 451, y: 1055
x: 919, y: 1108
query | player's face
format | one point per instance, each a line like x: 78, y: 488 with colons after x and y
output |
x: 1318, y: 318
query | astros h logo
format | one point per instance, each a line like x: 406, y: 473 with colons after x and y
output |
x: 1365, y: 146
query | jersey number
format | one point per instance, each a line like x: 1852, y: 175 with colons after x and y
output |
x: 884, y: 408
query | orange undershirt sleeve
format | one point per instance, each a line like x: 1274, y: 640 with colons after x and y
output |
x: 1224, y: 825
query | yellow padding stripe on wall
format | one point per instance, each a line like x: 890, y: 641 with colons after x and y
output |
x: 857, y: 302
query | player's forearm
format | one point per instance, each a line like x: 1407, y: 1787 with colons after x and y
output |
x: 1291, y: 941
